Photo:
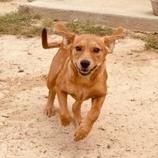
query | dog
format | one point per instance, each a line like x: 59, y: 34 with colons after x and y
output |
x: 78, y: 69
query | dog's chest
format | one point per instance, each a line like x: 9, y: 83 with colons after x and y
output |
x: 82, y: 92
x: 81, y: 88
x: 78, y: 93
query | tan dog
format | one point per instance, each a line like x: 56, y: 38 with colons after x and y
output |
x: 78, y: 69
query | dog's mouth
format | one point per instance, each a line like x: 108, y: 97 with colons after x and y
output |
x: 85, y: 71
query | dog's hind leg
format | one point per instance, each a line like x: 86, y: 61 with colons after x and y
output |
x: 49, y: 108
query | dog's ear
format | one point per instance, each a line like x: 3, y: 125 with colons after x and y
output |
x: 61, y: 30
x: 110, y: 40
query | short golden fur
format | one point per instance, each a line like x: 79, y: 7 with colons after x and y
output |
x: 78, y: 69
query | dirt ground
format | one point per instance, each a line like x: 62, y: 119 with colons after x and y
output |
x: 10, y: 6
x: 126, y: 128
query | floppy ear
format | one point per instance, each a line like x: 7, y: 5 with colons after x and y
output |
x: 61, y: 30
x: 110, y: 40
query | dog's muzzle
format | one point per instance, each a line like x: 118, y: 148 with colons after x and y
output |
x: 84, y: 67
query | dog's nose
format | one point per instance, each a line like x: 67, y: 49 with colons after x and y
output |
x: 85, y: 63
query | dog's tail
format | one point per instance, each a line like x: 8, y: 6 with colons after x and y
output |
x: 45, y: 41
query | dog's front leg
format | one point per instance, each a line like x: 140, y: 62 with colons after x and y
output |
x: 65, y: 116
x: 87, y: 123
x: 76, y: 108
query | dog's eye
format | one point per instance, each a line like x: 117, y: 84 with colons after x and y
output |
x: 78, y: 48
x: 96, y: 50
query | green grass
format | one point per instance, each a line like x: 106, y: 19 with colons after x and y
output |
x: 88, y: 28
x: 20, y: 23
x: 5, y: 0
x: 25, y: 23
x: 150, y: 39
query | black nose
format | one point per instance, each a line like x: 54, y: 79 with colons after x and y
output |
x: 85, y: 63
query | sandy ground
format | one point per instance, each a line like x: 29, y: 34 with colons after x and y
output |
x: 6, y: 7
x: 127, y: 126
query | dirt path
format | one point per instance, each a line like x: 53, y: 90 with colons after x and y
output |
x: 6, y: 7
x: 127, y: 126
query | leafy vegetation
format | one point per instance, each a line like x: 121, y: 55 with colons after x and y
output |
x: 25, y: 23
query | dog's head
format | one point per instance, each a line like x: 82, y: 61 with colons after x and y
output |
x: 87, y: 52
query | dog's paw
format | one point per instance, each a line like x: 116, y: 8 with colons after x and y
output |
x: 49, y: 111
x: 81, y: 132
x: 65, y: 119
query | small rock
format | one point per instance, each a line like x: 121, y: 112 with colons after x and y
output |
x: 21, y: 70
x: 128, y: 150
x: 44, y: 151
x: 29, y: 53
x: 56, y: 20
x: 30, y: 0
x: 132, y: 100
x: 108, y: 146
x: 5, y: 116
x: 101, y: 128
x: 129, y: 53
x: 75, y: 20
x: 45, y: 96
x: 98, y: 145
